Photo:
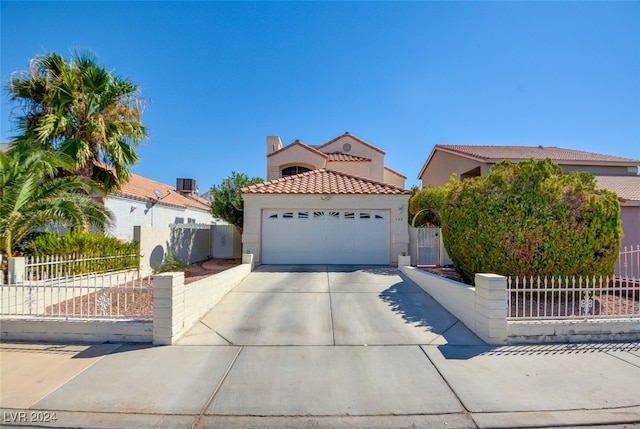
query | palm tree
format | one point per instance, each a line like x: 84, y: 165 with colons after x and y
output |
x: 31, y: 198
x: 81, y: 109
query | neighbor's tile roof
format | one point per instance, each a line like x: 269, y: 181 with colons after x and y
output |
x: 324, y: 181
x: 341, y: 156
x: 627, y: 187
x: 141, y: 188
x: 489, y: 153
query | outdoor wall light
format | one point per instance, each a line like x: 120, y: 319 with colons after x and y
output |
x: 133, y: 208
x: 325, y: 197
x: 401, y: 208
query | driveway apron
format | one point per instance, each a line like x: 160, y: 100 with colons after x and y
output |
x: 331, y: 340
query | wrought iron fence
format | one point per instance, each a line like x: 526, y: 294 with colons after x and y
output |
x: 93, y: 296
x: 534, y: 298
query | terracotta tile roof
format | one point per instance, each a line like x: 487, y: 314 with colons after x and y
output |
x: 341, y: 156
x: 324, y: 181
x: 353, y: 137
x: 627, y: 187
x: 491, y: 153
x: 141, y: 188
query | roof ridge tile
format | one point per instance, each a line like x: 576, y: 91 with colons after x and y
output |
x: 324, y: 181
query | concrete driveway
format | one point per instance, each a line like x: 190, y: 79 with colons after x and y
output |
x: 323, y: 347
x: 328, y: 305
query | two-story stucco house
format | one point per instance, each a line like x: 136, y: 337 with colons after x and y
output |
x: 335, y: 203
x: 614, y: 173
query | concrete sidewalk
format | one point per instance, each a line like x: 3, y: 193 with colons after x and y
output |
x: 317, y: 347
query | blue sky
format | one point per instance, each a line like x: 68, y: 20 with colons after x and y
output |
x: 403, y: 76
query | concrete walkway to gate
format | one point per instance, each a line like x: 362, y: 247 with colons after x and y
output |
x: 323, y: 346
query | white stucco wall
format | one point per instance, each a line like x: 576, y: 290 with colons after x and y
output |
x: 630, y: 216
x: 129, y: 212
x: 393, y: 178
x: 444, y: 164
x: 376, y: 169
x: 295, y: 155
x: 254, y: 204
x: 353, y: 168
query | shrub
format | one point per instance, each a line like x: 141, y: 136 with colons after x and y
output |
x: 83, y: 244
x: 428, y: 204
x: 171, y: 263
x: 531, y: 219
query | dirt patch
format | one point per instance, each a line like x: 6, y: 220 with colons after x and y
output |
x: 446, y: 272
x: 130, y: 300
x: 200, y: 270
x: 133, y: 299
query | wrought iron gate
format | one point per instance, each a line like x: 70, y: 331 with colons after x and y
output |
x: 428, y: 246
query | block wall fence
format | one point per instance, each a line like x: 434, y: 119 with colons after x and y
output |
x: 483, y: 309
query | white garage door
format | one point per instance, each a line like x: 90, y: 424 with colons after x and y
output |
x: 325, y: 237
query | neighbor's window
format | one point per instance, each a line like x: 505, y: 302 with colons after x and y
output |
x: 474, y: 172
x: 292, y: 171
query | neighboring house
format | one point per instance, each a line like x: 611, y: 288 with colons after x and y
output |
x: 336, y: 203
x: 143, y: 201
x: 614, y: 173
x: 628, y: 190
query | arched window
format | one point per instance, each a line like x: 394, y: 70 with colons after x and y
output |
x: 292, y: 171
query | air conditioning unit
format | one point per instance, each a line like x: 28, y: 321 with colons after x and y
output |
x: 187, y: 186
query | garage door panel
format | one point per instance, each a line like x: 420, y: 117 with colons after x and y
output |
x: 325, y: 237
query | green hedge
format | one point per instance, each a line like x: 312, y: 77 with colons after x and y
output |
x: 531, y: 219
x: 99, y: 252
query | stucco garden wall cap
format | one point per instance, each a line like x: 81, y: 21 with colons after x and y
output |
x: 324, y: 181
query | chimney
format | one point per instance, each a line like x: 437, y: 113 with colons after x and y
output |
x: 273, y: 144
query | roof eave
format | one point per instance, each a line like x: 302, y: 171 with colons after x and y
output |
x: 569, y: 162
x: 298, y: 143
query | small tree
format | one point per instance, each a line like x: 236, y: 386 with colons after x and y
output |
x: 31, y: 198
x: 227, y: 202
x: 531, y: 219
x: 83, y: 110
